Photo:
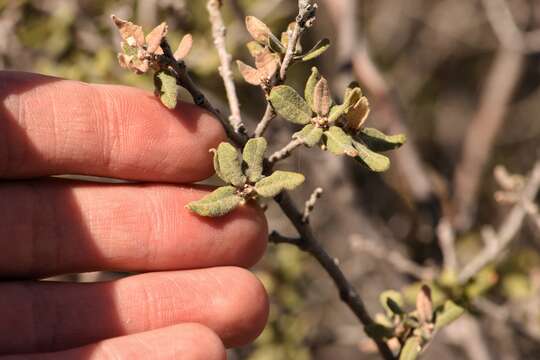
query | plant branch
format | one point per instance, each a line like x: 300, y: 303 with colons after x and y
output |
x: 308, y: 243
x: 269, y: 115
x: 498, y: 241
x: 311, y: 202
x: 286, y: 151
x: 218, y: 33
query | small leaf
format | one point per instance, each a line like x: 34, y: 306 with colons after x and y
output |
x: 253, y: 156
x: 267, y: 63
x: 254, y: 48
x: 184, y: 47
x: 411, y: 349
x: 277, y: 182
x: 290, y: 105
x: 258, y: 30
x: 424, y: 305
x: 321, y: 98
x: 310, y: 86
x: 358, y: 113
x: 310, y: 135
x: 375, y: 162
x: 339, y: 143
x: 379, y: 331
x: 153, y: 39
x: 378, y: 141
x: 447, y: 313
x: 131, y: 33
x: 166, y: 87
x: 220, y: 202
x: 230, y: 164
x: 319, y: 49
x: 392, y: 301
x: 351, y: 97
x: 251, y: 75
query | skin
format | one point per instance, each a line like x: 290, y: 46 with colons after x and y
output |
x: 192, y: 296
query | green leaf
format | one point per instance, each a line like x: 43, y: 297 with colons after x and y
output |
x: 253, y: 157
x: 375, y: 162
x: 319, y: 49
x: 339, y: 143
x: 392, y: 301
x: 351, y: 97
x: 254, y: 48
x: 447, y: 313
x: 411, y: 349
x: 229, y: 165
x: 309, y: 92
x: 290, y: 105
x: 379, y: 331
x: 378, y: 141
x: 220, y: 202
x: 277, y: 182
x: 166, y: 88
x: 310, y: 135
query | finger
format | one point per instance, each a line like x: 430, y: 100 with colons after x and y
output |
x: 54, y: 227
x: 42, y: 317
x: 54, y: 126
x: 184, y: 341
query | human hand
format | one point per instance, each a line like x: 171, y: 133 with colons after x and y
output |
x: 193, y: 297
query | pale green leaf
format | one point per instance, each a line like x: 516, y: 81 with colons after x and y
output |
x: 290, y: 105
x: 166, y: 88
x: 255, y: 48
x: 253, y: 157
x: 378, y: 141
x: 220, y: 202
x: 392, y: 301
x: 375, y: 162
x: 230, y: 164
x: 310, y: 135
x: 277, y: 182
x: 319, y: 49
x: 310, y: 86
x: 339, y: 143
x: 351, y: 97
x: 447, y: 313
x: 411, y: 349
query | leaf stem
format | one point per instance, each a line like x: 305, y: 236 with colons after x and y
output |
x: 286, y: 151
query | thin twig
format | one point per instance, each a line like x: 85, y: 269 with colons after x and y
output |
x: 394, y: 258
x: 347, y: 292
x: 507, y: 231
x: 286, y: 151
x: 310, y: 204
x: 218, y: 33
x: 269, y: 115
x: 447, y: 238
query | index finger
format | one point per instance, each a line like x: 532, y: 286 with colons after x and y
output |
x: 51, y: 126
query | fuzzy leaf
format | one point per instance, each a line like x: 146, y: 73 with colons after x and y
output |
x: 153, y: 39
x: 251, y: 75
x: 424, y: 305
x: 310, y: 135
x: 272, y: 185
x: 392, y: 301
x: 358, y: 113
x: 166, y: 87
x: 411, y: 349
x: 267, y: 63
x: 253, y: 157
x: 339, y: 143
x: 220, y: 202
x: 310, y: 86
x: 447, y: 313
x: 351, y: 97
x: 290, y: 105
x: 258, y: 30
x: 132, y: 34
x: 230, y: 164
x: 319, y: 49
x: 254, y: 48
x: 321, y: 98
x: 184, y: 47
x: 378, y: 141
x: 375, y: 162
